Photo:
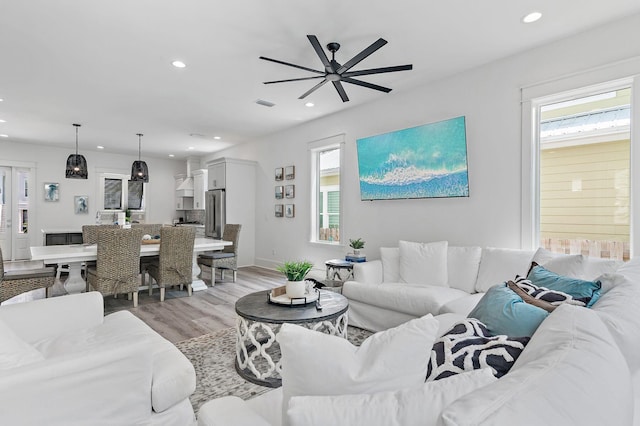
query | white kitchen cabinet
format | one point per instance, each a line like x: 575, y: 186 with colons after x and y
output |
x: 181, y: 203
x: 217, y: 175
x: 199, y: 188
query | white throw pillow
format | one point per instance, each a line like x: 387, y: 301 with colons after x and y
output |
x: 424, y: 263
x: 462, y: 267
x: 499, y: 265
x: 415, y: 406
x: 569, y: 265
x: 15, y: 352
x: 390, y: 257
x: 315, y: 363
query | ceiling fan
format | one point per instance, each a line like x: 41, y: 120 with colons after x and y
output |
x: 337, y: 73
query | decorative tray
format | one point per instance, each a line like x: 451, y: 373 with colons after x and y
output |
x: 283, y: 299
x: 150, y: 241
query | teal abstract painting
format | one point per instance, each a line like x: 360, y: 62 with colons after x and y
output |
x: 428, y: 161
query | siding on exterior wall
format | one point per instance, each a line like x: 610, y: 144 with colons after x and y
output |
x: 584, y: 192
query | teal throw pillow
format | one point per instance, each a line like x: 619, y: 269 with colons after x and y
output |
x: 502, y: 311
x: 586, y: 291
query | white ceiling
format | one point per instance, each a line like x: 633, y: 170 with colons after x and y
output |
x: 107, y: 64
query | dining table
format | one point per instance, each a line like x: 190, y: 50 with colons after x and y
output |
x: 74, y: 255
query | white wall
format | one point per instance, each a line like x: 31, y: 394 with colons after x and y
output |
x: 488, y: 96
x: 50, y: 164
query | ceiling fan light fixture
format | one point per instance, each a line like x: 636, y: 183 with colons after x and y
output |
x: 76, y: 163
x: 139, y: 169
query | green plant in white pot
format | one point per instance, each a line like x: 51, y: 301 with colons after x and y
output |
x: 356, y: 245
x: 295, y: 271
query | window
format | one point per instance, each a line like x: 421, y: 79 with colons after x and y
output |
x: 584, y: 164
x: 326, y: 205
x: 118, y: 193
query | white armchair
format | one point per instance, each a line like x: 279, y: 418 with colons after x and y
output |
x: 63, y: 363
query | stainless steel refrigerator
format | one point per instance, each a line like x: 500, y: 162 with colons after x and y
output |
x: 214, y: 213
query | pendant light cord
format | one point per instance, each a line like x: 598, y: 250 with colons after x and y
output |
x: 76, y: 126
x: 139, y: 144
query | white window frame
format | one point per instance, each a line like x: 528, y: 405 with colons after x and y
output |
x: 125, y: 192
x: 314, y: 149
x: 624, y: 74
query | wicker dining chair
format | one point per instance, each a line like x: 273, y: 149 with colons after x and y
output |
x: 89, y: 236
x: 13, y: 283
x: 175, y: 263
x: 225, y: 259
x: 117, y: 266
x: 153, y: 230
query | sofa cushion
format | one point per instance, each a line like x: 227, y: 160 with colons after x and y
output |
x: 15, y: 352
x: 413, y: 299
x: 570, y: 373
x: 413, y: 406
x: 554, y: 297
x: 571, y: 265
x: 423, y: 263
x: 498, y: 265
x: 390, y: 257
x: 502, y: 311
x: 619, y: 310
x: 469, y: 346
x: 462, y: 305
x: 462, y: 267
x: 389, y: 360
x: 585, y: 291
x: 594, y: 267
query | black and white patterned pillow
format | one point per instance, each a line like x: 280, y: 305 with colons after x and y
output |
x: 554, y: 297
x: 469, y: 346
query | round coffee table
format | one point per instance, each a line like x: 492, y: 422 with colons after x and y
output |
x: 258, y: 352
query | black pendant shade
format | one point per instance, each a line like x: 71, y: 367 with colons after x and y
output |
x: 139, y: 169
x: 76, y: 163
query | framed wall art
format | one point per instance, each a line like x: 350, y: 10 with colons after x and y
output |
x: 289, y: 191
x: 289, y: 210
x: 81, y: 204
x: 279, y: 210
x: 279, y: 174
x: 279, y: 192
x: 51, y: 191
x: 290, y: 172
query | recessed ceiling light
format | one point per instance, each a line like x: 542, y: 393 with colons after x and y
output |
x: 1, y: 99
x: 171, y: 155
x: 100, y: 147
x: 3, y: 121
x: 178, y: 64
x: 217, y: 138
x: 191, y: 148
x: 309, y: 104
x: 4, y: 136
x: 532, y: 17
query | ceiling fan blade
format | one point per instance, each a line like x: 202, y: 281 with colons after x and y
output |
x: 291, y: 65
x: 293, y: 79
x: 365, y: 84
x: 313, y: 89
x: 320, y: 52
x: 377, y: 70
x: 341, y: 91
x: 360, y: 56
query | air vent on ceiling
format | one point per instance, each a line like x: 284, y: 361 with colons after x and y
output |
x: 265, y: 103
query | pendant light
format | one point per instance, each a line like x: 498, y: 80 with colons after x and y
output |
x: 139, y: 170
x: 76, y: 163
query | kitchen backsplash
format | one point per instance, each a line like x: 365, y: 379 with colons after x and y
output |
x: 194, y: 216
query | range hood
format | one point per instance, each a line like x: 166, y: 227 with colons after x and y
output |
x: 186, y: 187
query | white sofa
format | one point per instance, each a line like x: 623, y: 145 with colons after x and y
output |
x: 64, y: 363
x: 581, y: 367
x: 380, y: 297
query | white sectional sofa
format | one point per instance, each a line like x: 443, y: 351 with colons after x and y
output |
x: 395, y: 288
x: 62, y: 362
x: 581, y: 366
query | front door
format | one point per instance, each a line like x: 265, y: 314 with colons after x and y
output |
x: 5, y: 213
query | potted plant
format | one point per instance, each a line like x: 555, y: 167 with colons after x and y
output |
x: 295, y: 271
x: 356, y: 245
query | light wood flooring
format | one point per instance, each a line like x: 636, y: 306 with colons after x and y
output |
x: 181, y: 317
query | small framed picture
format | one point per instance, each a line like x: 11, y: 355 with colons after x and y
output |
x: 290, y: 172
x: 81, y: 204
x: 51, y: 191
x: 279, y: 210
x: 289, y: 191
x: 279, y: 173
x: 290, y: 210
x: 279, y: 192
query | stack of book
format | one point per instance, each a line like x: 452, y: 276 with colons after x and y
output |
x: 355, y: 258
